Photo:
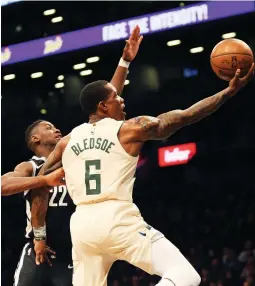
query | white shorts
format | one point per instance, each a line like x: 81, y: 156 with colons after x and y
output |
x: 105, y: 232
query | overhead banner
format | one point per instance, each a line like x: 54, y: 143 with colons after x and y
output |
x: 176, y: 155
x: 103, y: 34
x: 8, y: 2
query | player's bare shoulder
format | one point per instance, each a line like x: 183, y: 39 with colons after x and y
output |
x: 143, y: 122
x: 24, y: 168
x: 138, y: 129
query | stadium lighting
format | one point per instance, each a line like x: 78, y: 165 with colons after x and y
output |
x: 79, y: 66
x: 49, y: 12
x: 173, y: 43
x: 36, y: 75
x: 57, y: 19
x: 196, y: 50
x: 61, y: 77
x: 126, y: 82
x: 85, y: 72
x: 9, y: 76
x: 228, y: 35
x: 59, y: 85
x: 92, y: 60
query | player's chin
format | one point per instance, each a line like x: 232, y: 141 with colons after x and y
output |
x: 120, y: 115
x: 123, y: 115
x: 57, y: 139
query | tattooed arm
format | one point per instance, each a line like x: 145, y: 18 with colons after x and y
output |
x: 150, y: 128
x: 160, y: 127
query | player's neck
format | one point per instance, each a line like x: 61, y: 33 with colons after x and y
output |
x: 44, y: 151
x: 96, y: 117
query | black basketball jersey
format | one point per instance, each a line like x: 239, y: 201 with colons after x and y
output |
x: 60, y: 209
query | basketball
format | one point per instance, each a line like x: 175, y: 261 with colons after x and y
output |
x: 228, y: 56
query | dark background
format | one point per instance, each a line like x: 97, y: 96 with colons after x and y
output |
x: 205, y: 207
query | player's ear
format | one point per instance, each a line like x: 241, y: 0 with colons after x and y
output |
x: 35, y: 138
x: 102, y: 106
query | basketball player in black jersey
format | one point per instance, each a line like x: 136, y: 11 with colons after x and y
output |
x: 41, y: 138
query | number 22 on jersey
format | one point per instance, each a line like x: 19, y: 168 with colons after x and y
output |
x: 58, y: 200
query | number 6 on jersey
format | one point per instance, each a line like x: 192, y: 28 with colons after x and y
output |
x: 92, y: 177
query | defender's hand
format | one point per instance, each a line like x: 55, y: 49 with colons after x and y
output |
x: 237, y: 83
x: 132, y: 45
x: 56, y: 178
x: 41, y: 252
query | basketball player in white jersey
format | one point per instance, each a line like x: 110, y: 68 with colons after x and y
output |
x: 99, y: 160
x: 41, y: 138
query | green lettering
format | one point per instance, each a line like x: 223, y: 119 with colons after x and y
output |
x: 104, y: 144
x: 85, y: 144
x: 98, y: 144
x: 79, y: 148
x: 109, y: 146
x: 91, y: 143
x: 76, y: 151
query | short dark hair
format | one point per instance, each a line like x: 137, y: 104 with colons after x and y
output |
x: 29, y: 131
x: 92, y: 94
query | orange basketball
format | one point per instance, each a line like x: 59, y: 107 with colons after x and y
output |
x: 228, y: 56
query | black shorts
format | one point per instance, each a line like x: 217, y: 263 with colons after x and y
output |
x: 30, y: 274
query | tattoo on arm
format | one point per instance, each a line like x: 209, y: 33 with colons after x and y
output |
x: 205, y: 107
x: 170, y: 122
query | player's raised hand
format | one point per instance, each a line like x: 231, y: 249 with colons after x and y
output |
x: 41, y: 252
x: 56, y: 178
x: 132, y: 45
x: 237, y: 83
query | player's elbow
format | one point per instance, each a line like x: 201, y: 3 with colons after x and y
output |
x: 5, y: 188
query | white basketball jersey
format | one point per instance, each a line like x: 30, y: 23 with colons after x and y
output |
x: 97, y: 167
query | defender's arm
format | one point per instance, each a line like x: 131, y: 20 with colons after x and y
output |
x: 20, y: 180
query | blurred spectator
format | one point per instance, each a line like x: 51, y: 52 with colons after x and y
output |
x: 229, y: 260
x: 248, y: 270
x: 247, y: 252
x: 115, y: 283
x: 249, y: 281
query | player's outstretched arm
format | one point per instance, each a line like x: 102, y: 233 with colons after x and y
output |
x: 150, y: 128
x: 129, y: 53
x: 19, y: 180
